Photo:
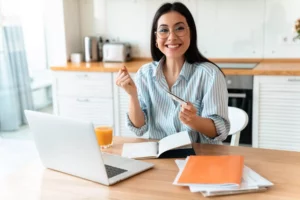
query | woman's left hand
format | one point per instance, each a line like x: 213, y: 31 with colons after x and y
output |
x: 188, y: 113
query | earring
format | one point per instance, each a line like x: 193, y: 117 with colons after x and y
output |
x: 156, y: 44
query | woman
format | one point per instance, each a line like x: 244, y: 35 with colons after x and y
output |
x: 177, y: 67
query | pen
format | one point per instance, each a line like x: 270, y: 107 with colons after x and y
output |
x: 176, y: 98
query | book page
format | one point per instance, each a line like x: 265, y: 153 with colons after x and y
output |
x: 173, y: 141
x: 140, y: 150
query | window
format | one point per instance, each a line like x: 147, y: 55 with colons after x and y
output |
x: 29, y: 15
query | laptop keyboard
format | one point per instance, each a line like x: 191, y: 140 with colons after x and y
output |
x: 113, y: 171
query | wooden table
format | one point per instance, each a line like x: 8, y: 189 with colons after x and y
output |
x: 35, y: 182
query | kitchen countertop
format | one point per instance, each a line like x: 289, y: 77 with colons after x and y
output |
x: 264, y: 67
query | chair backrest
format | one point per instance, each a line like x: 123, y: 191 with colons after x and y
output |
x: 238, y: 121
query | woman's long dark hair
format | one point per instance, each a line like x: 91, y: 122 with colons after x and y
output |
x: 192, y: 55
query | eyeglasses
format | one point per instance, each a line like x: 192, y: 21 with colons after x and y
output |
x: 163, y: 32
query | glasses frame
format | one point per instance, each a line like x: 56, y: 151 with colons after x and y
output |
x: 155, y: 33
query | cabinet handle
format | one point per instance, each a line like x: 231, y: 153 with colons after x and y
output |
x: 237, y: 95
x: 82, y: 100
x: 294, y: 80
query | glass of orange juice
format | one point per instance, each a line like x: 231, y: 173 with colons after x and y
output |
x: 104, y: 136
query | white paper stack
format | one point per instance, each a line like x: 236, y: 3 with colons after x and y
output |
x: 251, y: 182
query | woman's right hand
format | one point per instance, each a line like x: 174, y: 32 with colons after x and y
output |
x: 125, y: 81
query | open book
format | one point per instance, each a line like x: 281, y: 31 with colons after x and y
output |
x: 177, y: 145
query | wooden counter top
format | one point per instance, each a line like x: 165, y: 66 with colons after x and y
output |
x: 132, y: 66
x: 265, y: 67
x: 277, y: 68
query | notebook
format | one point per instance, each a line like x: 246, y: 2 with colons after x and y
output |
x: 251, y: 182
x: 177, y: 145
x: 212, y: 171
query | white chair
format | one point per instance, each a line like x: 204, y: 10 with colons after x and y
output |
x: 238, y: 121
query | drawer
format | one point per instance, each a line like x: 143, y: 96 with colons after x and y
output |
x: 97, y: 110
x: 280, y: 84
x: 89, y: 84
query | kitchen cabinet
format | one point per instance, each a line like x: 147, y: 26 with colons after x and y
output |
x: 276, y: 112
x: 84, y: 95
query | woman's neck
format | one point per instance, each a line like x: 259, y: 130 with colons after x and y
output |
x: 171, y: 70
x: 173, y: 67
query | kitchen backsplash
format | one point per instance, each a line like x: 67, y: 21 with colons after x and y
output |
x: 226, y: 28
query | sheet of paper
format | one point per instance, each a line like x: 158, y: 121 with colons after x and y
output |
x: 174, y: 141
x: 222, y: 193
x: 256, y: 178
x: 140, y: 150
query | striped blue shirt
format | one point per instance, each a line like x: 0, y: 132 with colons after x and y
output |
x: 201, y: 84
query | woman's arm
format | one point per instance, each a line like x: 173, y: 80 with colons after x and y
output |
x: 213, y: 120
x: 188, y: 116
x: 135, y: 114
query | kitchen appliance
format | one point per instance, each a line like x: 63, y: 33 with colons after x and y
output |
x: 90, y: 49
x: 240, y: 89
x: 116, y: 52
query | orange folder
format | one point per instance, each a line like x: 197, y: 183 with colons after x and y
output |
x: 213, y: 170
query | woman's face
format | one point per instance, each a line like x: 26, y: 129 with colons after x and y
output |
x: 172, y: 34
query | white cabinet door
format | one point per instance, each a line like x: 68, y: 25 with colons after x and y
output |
x: 90, y: 84
x: 121, y: 103
x: 99, y: 111
x: 276, y: 111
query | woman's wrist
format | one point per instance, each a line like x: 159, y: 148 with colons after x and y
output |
x: 203, y: 125
x: 133, y: 97
x: 193, y: 123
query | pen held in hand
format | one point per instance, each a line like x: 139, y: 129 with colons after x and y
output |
x: 176, y: 98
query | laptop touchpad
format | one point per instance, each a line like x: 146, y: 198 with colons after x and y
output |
x: 115, y: 160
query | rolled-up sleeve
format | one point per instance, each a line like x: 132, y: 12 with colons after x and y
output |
x: 141, y: 87
x: 215, y: 105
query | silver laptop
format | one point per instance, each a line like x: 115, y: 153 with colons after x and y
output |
x: 70, y: 146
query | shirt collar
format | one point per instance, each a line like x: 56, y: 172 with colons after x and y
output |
x: 186, y: 70
x: 158, y: 69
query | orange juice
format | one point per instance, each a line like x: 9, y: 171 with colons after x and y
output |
x: 104, y: 136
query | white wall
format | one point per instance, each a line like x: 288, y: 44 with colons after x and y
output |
x: 230, y: 28
x: 34, y: 35
x: 226, y: 28
x: 279, y: 19
x: 71, y: 9
x: 55, y: 32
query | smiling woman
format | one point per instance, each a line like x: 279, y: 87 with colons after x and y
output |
x: 179, y: 68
